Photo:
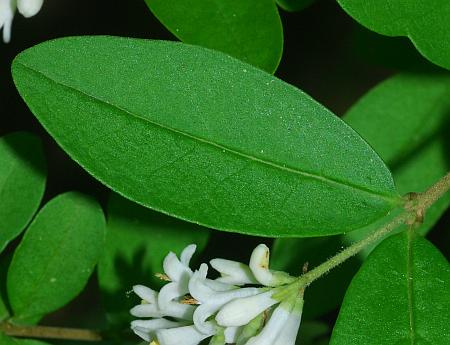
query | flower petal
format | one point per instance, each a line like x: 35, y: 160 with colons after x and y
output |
x: 274, y: 326
x: 187, y: 335
x: 174, y: 268
x: 288, y: 335
x: 231, y: 334
x: 187, y: 253
x: 174, y: 309
x: 29, y: 8
x: 233, y: 272
x: 171, y: 291
x: 145, y: 293
x: 201, y: 314
x: 146, y: 328
x: 259, y: 265
x: 7, y: 9
x: 241, y: 311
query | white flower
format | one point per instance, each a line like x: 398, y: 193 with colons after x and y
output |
x: 27, y: 8
x: 241, y: 311
x: 233, y: 272
x: 151, y: 308
x: 288, y: 334
x: 259, y: 265
x: 179, y: 273
x: 274, y: 328
x: 146, y: 328
x: 210, y: 299
x: 187, y: 335
x: 200, y: 308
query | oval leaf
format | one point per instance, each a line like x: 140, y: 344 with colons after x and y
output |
x: 204, y: 137
x: 249, y: 30
x: 399, y: 296
x: 22, y: 182
x: 424, y: 22
x: 56, y: 256
x: 137, y: 241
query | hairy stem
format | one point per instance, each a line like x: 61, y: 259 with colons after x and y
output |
x: 49, y: 332
x: 412, y: 214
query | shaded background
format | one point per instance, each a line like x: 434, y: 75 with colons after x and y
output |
x: 326, y: 54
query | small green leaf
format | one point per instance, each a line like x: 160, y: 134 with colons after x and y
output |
x: 56, y: 256
x: 137, y: 241
x: 204, y: 137
x: 5, y: 340
x: 424, y: 22
x: 249, y: 30
x: 22, y: 182
x: 294, y: 5
x: 399, y: 296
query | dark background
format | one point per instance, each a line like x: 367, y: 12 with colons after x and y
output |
x: 326, y: 54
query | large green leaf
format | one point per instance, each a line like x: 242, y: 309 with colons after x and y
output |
x: 426, y: 23
x: 56, y: 256
x: 204, y: 137
x: 5, y: 340
x: 137, y: 241
x: 294, y: 5
x: 401, y: 295
x: 249, y: 30
x: 22, y: 182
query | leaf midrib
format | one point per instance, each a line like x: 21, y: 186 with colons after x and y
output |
x: 328, y: 180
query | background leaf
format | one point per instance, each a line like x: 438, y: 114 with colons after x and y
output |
x: 22, y: 182
x: 424, y: 22
x: 3, y: 310
x: 137, y: 241
x: 56, y: 256
x: 249, y: 30
x: 294, y: 5
x: 203, y: 137
x: 399, y: 296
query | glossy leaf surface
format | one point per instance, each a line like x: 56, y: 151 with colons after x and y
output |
x: 204, y: 137
x: 56, y: 256
x: 249, y: 30
x: 137, y: 241
x: 22, y: 182
x: 426, y: 23
x: 399, y: 296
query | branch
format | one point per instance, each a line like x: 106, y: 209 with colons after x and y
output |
x: 50, y: 332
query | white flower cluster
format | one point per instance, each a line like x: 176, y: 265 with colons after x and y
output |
x: 192, y: 307
x: 28, y: 8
